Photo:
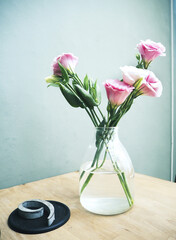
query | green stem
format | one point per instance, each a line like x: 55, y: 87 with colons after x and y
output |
x: 103, y: 160
x: 96, y: 157
x: 96, y: 115
x: 93, y: 116
x: 126, y: 184
x: 121, y: 178
x: 120, y: 174
x: 86, y: 182
x: 100, y: 112
x: 124, y: 188
x: 95, y: 160
x: 122, y: 110
x: 82, y: 174
x: 79, y: 80
x: 91, y: 174
x: 97, y: 154
x: 76, y: 78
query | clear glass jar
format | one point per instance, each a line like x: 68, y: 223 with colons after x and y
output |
x: 106, y: 175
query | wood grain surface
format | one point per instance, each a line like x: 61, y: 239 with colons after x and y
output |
x: 153, y: 216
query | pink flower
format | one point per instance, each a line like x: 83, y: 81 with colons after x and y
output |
x: 117, y: 91
x: 68, y: 60
x: 149, y: 50
x: 132, y: 74
x: 151, y: 86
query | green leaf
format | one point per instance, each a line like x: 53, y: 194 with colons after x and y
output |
x: 85, y: 96
x: 90, y: 85
x: 94, y: 91
x: 53, y: 79
x: 70, y: 97
x: 54, y: 85
x: 138, y: 56
x: 97, y: 93
x: 86, y: 82
x: 139, y: 66
x: 64, y: 73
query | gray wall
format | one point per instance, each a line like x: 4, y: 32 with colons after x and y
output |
x: 40, y: 134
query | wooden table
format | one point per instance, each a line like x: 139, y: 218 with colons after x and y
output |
x: 152, y: 217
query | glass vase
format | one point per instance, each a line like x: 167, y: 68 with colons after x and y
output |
x: 106, y: 175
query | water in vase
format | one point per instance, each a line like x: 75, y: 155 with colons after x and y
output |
x: 104, y: 193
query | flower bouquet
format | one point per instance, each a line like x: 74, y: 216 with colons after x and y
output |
x: 107, y: 152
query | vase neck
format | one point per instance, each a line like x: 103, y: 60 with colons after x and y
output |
x: 114, y: 130
x: 109, y: 132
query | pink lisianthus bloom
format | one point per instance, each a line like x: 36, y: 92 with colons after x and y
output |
x: 149, y: 50
x: 151, y: 85
x: 117, y: 91
x: 68, y: 60
x: 132, y: 74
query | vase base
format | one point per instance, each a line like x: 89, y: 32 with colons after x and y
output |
x: 105, y: 206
